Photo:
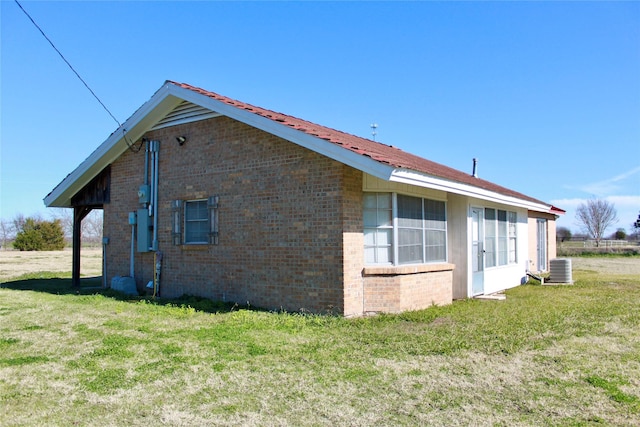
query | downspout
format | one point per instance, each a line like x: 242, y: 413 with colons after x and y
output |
x: 132, y: 221
x: 146, y: 162
x: 105, y: 242
x: 156, y: 149
x: 157, y: 261
x: 152, y: 156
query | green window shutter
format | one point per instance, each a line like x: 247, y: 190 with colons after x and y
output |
x: 176, y: 222
x: 212, y: 205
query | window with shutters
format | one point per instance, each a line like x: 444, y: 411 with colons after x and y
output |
x: 195, y: 222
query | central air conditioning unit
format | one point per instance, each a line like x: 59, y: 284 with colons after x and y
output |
x: 560, y: 271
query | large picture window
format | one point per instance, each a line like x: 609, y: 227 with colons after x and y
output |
x: 401, y: 229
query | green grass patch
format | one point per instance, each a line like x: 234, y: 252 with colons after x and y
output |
x: 23, y: 360
x: 614, y: 392
x: 107, y: 381
x: 529, y: 360
x: 6, y: 342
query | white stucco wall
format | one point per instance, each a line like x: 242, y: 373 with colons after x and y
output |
x: 503, y: 277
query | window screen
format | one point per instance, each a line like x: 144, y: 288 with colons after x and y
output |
x: 196, y: 222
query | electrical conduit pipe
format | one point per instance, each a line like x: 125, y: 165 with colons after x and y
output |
x: 157, y: 261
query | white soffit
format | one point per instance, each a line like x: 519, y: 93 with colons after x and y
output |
x: 411, y: 177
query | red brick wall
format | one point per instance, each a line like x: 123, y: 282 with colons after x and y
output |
x: 353, y: 242
x: 394, y: 293
x: 290, y: 223
x: 284, y: 215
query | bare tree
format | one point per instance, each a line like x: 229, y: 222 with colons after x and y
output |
x: 91, y: 224
x: 595, y: 216
x: 7, y: 232
x: 18, y: 222
x: 65, y: 216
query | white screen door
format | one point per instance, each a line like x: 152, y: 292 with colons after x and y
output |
x: 542, y: 244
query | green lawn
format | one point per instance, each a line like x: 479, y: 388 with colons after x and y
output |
x: 564, y: 355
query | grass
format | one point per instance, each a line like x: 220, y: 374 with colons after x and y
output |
x: 565, y: 356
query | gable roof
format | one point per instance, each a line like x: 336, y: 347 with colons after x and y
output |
x: 177, y: 103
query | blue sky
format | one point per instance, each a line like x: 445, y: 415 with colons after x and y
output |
x: 546, y: 95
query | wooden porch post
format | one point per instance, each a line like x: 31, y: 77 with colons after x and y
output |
x: 79, y: 213
x: 92, y: 196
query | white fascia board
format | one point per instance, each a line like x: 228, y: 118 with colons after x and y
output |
x: 406, y: 176
x: 319, y: 145
x: 137, y: 125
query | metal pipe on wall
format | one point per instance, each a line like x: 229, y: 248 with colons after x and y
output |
x: 154, y: 193
x: 152, y: 155
x: 105, y: 242
x: 146, y: 162
x: 132, y: 257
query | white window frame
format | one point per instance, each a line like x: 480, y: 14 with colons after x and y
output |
x: 395, y: 228
x: 512, y: 225
x: 202, y: 220
x: 379, y: 229
x: 501, y: 237
x: 490, y: 237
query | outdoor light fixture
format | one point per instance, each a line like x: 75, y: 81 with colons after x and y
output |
x: 181, y: 140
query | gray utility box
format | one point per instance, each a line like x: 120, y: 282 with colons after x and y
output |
x: 145, y: 228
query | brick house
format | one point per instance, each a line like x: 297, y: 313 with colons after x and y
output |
x: 249, y: 205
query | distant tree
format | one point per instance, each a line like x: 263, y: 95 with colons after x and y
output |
x: 7, y: 232
x: 18, y: 222
x: 91, y: 224
x: 620, y: 234
x: 39, y: 235
x: 580, y: 236
x: 595, y: 216
x: 65, y: 216
x: 563, y: 233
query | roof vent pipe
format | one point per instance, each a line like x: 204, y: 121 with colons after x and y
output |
x: 475, y: 167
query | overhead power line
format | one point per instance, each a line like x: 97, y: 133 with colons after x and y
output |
x: 67, y: 62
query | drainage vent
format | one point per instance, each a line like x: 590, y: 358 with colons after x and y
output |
x: 560, y: 271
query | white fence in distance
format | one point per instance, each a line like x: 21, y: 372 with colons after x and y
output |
x: 607, y: 243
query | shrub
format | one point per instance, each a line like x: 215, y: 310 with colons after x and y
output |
x: 620, y: 234
x: 563, y: 234
x: 38, y: 235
